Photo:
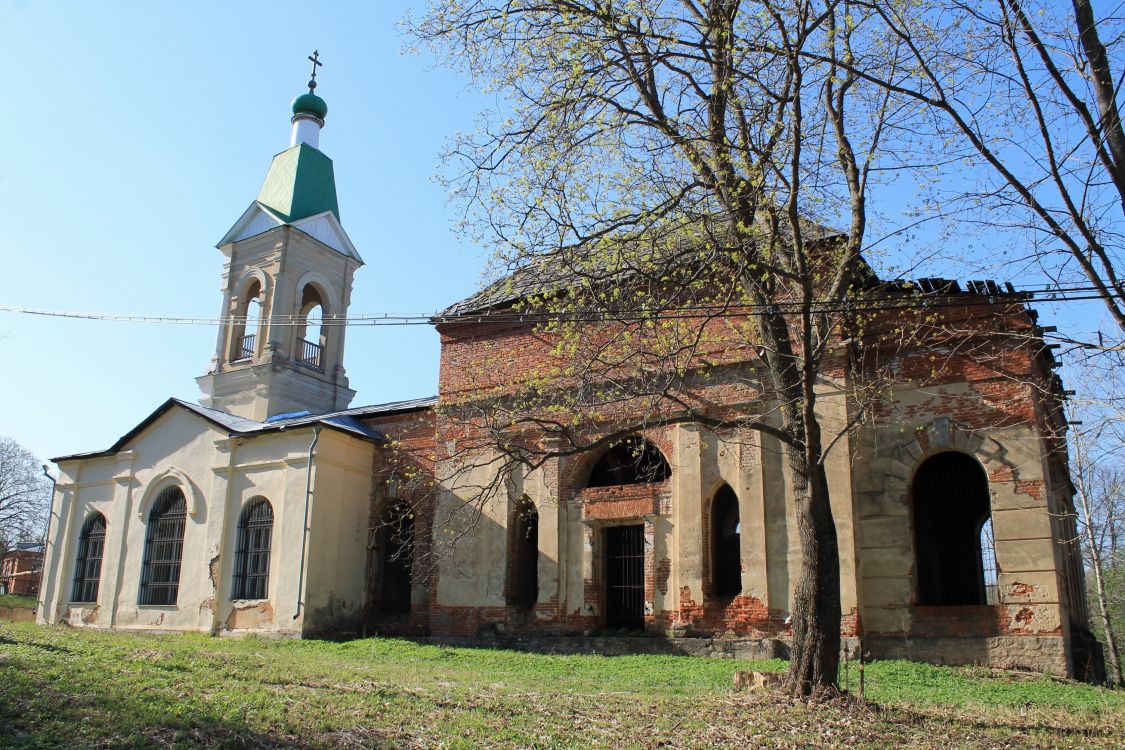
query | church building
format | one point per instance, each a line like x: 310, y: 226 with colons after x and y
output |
x: 274, y: 506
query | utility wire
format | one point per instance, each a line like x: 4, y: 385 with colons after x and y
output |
x: 906, y: 299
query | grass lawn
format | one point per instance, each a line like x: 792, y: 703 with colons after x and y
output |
x: 18, y: 601
x: 68, y: 688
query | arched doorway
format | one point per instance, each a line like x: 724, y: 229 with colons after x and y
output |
x: 952, y: 510
x: 726, y: 543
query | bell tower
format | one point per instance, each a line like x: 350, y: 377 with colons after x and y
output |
x: 286, y: 285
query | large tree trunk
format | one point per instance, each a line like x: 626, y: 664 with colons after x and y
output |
x: 815, y: 653
x: 815, y: 659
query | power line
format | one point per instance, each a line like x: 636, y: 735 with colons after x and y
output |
x: 903, y: 300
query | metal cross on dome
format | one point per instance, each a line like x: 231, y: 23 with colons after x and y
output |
x: 315, y: 63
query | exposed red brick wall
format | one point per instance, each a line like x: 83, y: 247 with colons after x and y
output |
x: 21, y: 571
x: 978, y: 620
x: 408, y: 457
x: 744, y: 616
x: 621, y: 502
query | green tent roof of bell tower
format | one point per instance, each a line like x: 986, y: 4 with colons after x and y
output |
x: 299, y: 184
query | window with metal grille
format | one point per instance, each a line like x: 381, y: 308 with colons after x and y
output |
x: 164, y: 546
x: 726, y: 544
x: 88, y: 569
x: 252, y: 551
x: 952, y: 509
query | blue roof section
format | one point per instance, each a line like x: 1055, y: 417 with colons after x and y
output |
x: 288, y: 415
x: 346, y: 420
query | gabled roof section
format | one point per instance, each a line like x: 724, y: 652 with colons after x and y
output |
x: 326, y: 228
x: 300, y: 183
x: 346, y: 420
x: 254, y: 221
x: 323, y: 227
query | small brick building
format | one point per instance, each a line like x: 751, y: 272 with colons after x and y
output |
x: 274, y: 507
x: 21, y: 569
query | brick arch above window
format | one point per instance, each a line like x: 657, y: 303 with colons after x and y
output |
x: 895, y: 464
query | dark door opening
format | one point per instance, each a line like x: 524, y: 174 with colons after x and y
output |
x: 625, y: 577
x: 395, y: 541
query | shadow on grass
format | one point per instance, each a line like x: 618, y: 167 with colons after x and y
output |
x: 913, y: 717
x: 51, y: 648
x: 36, y: 714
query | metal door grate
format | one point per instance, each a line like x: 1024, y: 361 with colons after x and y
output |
x: 625, y: 577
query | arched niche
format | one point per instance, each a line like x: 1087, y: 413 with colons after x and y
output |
x: 522, y: 587
x: 726, y: 543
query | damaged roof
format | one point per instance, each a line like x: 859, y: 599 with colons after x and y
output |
x: 554, y: 272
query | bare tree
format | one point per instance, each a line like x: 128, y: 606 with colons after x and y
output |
x: 1019, y: 111
x: 25, y: 495
x: 655, y: 184
x: 1099, y: 478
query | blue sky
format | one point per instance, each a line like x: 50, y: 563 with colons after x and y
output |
x: 135, y: 134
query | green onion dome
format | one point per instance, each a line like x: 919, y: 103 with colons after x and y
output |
x: 310, y: 104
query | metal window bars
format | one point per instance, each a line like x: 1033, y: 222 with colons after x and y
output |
x: 88, y: 568
x: 164, y: 545
x: 252, y: 551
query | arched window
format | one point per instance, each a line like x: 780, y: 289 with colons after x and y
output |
x: 634, y: 460
x: 310, y: 329
x: 88, y: 568
x: 252, y: 551
x: 523, y: 555
x: 952, y: 513
x: 164, y: 546
x: 244, y: 326
x: 726, y: 546
x: 395, y: 540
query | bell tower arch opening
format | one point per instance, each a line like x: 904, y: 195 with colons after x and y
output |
x: 245, y: 323
x: 310, y: 328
